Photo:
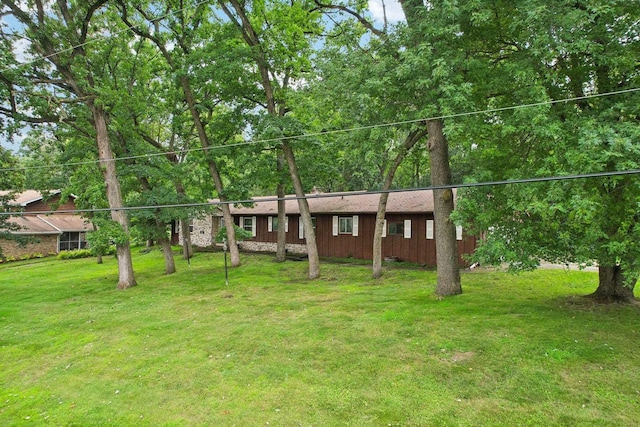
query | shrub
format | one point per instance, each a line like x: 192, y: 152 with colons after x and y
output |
x: 75, y: 254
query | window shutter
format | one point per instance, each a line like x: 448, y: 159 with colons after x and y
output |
x: 270, y: 224
x: 335, y: 225
x: 355, y: 225
x: 407, y: 228
x: 253, y: 226
x: 286, y: 224
x: 458, y: 232
x: 384, y: 229
x: 430, y: 229
x: 300, y: 228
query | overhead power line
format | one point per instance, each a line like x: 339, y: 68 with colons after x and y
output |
x: 329, y: 132
x: 340, y: 194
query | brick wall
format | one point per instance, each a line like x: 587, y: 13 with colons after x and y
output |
x: 45, y: 245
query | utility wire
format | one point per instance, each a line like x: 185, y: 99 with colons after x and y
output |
x: 330, y: 132
x: 340, y: 194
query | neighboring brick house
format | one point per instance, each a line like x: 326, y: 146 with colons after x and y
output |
x: 49, y: 233
x: 344, y: 225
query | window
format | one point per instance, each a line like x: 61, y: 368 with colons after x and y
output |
x: 71, y: 240
x: 301, y: 226
x: 396, y: 228
x: 247, y: 223
x: 272, y: 224
x: 429, y: 229
x: 345, y: 225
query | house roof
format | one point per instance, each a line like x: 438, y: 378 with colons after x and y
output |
x: 31, y: 224
x: 419, y: 201
x: 49, y: 224
x: 27, y: 196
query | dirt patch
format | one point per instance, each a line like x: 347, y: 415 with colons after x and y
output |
x: 462, y: 356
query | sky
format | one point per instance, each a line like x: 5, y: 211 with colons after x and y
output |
x: 392, y: 9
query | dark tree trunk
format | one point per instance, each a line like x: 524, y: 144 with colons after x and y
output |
x: 169, y: 263
x: 281, y: 244
x: 305, y: 213
x: 377, y: 236
x: 448, y: 282
x: 409, y: 142
x: 187, y: 247
x: 612, y: 287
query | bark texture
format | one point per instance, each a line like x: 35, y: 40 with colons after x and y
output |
x: 411, y: 140
x: 169, y: 262
x: 187, y: 247
x: 612, y: 287
x: 305, y: 213
x: 448, y: 271
x: 281, y: 245
x: 126, y: 277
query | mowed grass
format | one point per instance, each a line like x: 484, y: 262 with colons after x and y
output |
x: 274, y: 348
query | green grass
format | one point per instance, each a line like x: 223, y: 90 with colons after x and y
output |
x: 274, y: 348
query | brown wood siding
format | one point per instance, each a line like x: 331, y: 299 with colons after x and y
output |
x: 418, y: 249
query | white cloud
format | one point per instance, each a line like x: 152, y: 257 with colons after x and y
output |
x: 392, y: 9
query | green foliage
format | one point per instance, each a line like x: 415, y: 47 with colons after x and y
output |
x: 75, y: 254
x: 241, y: 234
x: 107, y: 234
x: 579, y: 220
x: 10, y: 179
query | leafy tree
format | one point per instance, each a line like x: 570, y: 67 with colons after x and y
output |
x: 280, y: 37
x: 10, y: 179
x: 191, y: 29
x: 11, y: 176
x: 580, y: 50
x: 62, y: 85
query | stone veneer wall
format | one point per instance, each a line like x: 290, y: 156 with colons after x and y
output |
x: 202, y: 235
x: 45, y: 245
x: 271, y: 247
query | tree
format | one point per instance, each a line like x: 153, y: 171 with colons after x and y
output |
x: 280, y: 43
x: 62, y: 74
x: 10, y: 179
x: 578, y: 50
x: 191, y: 30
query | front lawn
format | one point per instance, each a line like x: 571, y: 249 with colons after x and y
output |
x: 274, y: 348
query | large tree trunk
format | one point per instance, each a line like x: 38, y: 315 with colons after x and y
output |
x: 213, y: 171
x: 99, y: 260
x: 281, y: 245
x: 169, y: 262
x: 377, y: 236
x: 165, y: 244
x: 411, y: 140
x: 448, y: 271
x: 126, y: 277
x: 187, y: 246
x: 305, y: 213
x: 612, y: 287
